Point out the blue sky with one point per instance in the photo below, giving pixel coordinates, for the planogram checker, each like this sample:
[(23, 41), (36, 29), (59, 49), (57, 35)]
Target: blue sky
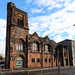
[(54, 18)]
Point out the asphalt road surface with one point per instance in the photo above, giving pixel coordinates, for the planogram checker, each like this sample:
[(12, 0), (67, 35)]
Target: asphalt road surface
[(63, 71)]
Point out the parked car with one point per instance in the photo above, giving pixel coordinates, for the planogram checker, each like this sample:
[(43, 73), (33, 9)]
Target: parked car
[(2, 64)]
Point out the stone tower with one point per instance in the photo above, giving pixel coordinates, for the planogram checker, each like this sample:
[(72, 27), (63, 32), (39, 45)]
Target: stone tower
[(17, 30)]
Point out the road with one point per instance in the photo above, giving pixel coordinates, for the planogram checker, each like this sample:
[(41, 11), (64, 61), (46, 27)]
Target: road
[(42, 71)]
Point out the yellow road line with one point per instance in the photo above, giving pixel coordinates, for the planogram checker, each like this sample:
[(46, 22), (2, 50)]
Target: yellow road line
[(35, 69)]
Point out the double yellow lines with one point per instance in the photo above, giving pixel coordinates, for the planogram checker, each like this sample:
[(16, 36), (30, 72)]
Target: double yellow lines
[(39, 69)]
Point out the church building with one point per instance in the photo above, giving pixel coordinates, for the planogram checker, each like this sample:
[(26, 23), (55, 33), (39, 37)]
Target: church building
[(24, 50)]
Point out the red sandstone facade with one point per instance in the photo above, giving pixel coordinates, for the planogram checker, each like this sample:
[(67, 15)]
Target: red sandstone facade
[(16, 33), (24, 49)]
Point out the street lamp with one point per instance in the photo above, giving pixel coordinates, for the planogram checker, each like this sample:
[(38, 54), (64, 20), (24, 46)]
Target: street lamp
[(74, 25), (58, 60)]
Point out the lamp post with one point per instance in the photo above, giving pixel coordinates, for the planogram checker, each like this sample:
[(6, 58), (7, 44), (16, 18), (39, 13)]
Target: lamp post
[(58, 60), (74, 25)]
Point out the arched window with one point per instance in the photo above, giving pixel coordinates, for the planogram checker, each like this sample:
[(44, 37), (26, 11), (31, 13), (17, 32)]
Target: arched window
[(46, 48), (34, 46), (19, 45)]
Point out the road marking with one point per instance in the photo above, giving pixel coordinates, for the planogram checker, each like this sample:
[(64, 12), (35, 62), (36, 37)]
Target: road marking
[(36, 69)]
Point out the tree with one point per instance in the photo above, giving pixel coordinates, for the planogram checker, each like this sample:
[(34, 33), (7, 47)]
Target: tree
[(1, 58)]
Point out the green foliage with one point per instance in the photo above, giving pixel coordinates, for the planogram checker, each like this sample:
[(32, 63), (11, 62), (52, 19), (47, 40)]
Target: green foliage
[(1, 58)]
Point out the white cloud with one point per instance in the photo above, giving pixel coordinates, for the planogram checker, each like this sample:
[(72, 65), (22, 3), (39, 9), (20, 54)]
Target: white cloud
[(2, 35), (55, 6), (44, 2), (56, 24), (2, 29), (58, 38), (2, 47), (37, 10), (52, 3)]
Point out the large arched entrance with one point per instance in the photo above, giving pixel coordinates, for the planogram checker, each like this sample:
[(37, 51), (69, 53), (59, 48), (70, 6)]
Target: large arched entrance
[(19, 62)]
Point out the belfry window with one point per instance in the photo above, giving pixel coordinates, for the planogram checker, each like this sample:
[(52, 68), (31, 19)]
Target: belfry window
[(20, 22)]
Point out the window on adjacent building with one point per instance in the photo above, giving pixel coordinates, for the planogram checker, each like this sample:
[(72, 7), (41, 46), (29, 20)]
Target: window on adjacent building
[(33, 59), (73, 43), (73, 48), (46, 48), (46, 60), (34, 46), (38, 60), (73, 55)]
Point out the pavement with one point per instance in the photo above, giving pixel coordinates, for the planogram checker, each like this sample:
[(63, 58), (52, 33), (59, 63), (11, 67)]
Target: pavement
[(66, 71)]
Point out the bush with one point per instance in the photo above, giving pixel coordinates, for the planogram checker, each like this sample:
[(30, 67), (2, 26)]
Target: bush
[(1, 58)]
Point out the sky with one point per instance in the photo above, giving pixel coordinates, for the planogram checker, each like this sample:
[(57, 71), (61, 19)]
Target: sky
[(54, 18)]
